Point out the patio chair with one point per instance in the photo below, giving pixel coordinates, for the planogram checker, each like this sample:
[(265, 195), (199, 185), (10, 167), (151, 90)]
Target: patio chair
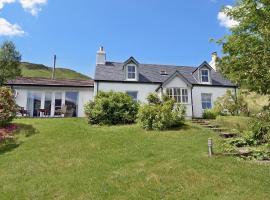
[(67, 111)]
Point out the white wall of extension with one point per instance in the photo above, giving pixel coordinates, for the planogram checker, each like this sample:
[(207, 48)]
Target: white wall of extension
[(84, 95)]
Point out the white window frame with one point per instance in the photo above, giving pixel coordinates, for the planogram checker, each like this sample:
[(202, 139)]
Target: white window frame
[(179, 97), (131, 96), (135, 73), (211, 100), (208, 75)]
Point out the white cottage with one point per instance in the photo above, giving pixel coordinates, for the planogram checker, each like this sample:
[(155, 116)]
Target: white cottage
[(195, 87)]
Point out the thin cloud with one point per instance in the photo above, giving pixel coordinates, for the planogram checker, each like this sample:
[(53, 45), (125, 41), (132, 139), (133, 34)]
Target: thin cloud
[(225, 20), (8, 29), (32, 6), (3, 2)]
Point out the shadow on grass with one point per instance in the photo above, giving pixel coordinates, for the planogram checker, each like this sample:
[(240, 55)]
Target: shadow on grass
[(10, 144), (26, 129), (183, 127)]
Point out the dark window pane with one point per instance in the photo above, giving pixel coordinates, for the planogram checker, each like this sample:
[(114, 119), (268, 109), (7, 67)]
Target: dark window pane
[(71, 103), (133, 95)]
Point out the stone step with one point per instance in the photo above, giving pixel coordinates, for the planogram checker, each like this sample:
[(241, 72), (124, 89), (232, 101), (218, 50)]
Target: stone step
[(210, 126), (227, 135), (218, 129)]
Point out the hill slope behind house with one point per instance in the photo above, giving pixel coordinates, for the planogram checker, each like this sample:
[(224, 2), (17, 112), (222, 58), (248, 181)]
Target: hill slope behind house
[(39, 70)]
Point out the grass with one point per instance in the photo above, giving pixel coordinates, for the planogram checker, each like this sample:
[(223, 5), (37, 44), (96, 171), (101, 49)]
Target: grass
[(37, 70), (68, 159), (234, 123), (256, 102)]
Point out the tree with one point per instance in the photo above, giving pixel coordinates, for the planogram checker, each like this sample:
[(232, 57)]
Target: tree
[(246, 50), (9, 62)]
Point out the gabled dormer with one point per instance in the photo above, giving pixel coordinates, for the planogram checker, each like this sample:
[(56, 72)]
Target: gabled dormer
[(131, 69), (203, 73)]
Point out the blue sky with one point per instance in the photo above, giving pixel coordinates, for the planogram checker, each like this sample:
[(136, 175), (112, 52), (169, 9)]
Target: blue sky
[(153, 31)]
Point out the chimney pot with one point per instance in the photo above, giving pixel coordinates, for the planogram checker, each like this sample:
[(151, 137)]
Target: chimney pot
[(101, 56), (213, 62)]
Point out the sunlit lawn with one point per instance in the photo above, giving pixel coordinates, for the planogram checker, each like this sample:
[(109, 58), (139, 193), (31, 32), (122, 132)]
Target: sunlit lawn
[(68, 159)]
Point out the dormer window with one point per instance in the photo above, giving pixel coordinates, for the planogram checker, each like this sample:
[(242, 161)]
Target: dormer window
[(205, 76), (131, 72)]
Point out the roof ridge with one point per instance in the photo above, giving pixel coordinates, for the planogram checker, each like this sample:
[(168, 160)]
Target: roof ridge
[(57, 79), (154, 64)]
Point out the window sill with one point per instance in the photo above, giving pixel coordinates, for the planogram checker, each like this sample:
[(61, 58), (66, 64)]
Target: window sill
[(206, 83), (131, 80)]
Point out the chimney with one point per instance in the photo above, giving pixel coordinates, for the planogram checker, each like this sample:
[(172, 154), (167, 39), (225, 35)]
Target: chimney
[(213, 62), (101, 56)]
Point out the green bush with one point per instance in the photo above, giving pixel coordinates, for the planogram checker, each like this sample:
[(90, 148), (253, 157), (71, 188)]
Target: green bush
[(260, 127), (110, 108), (8, 106), (160, 114), (210, 114), (231, 104)]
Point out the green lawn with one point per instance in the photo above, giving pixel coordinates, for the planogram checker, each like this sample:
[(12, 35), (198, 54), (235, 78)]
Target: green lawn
[(234, 123), (68, 159)]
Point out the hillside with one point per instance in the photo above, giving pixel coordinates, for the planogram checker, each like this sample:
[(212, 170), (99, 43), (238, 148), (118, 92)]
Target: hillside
[(39, 70)]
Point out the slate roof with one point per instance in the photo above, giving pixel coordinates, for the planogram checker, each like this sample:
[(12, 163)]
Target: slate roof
[(150, 73), (23, 81)]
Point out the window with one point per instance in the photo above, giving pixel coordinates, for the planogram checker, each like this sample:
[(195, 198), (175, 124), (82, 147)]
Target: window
[(34, 103), (184, 95), (57, 103), (131, 72), (48, 103), (71, 104), (206, 101), (180, 95), (205, 75), (133, 95)]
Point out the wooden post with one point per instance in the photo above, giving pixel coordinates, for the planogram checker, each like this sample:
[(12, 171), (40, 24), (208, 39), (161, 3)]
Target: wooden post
[(210, 147)]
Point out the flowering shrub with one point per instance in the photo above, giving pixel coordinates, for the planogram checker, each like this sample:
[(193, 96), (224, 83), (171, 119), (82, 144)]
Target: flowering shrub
[(160, 114), (111, 108), (8, 106)]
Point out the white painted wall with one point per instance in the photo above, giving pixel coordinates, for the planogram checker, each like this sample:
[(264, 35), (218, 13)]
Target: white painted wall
[(198, 90), (85, 95), (142, 88)]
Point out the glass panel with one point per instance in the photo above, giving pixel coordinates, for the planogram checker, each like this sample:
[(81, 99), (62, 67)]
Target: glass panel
[(131, 68), (133, 95), (48, 103), (71, 104), (169, 92), (131, 72), (184, 96), (33, 103), (206, 101), (58, 103), (205, 75), (177, 95)]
